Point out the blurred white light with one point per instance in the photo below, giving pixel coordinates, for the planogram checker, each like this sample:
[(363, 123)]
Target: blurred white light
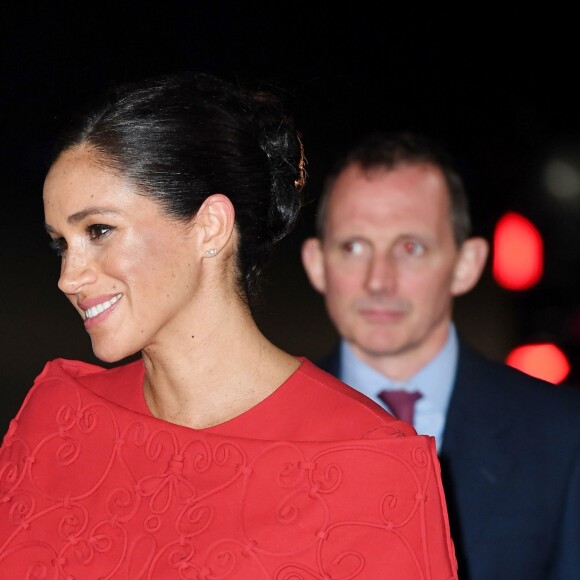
[(562, 180)]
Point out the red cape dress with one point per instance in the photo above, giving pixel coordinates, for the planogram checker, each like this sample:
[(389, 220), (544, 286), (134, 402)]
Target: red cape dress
[(316, 482)]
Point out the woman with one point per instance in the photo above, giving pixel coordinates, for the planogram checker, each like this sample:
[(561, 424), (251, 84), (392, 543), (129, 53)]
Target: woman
[(216, 455)]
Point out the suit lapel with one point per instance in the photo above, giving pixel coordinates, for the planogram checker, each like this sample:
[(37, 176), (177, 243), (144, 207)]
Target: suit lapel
[(331, 363), (474, 461)]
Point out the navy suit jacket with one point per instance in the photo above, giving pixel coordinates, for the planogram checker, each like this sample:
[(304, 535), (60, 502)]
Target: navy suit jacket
[(510, 465)]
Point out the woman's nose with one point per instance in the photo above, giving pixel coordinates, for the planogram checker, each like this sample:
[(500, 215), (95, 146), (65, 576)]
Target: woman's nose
[(75, 273)]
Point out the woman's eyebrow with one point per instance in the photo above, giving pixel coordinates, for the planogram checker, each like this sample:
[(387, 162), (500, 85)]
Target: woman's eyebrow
[(81, 215)]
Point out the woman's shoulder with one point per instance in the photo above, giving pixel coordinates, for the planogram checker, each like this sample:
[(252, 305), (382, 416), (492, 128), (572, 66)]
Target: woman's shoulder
[(67, 368), (325, 385), (120, 384), (89, 374), (343, 409), (64, 385)]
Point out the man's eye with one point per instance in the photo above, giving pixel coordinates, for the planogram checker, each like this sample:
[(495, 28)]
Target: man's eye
[(98, 231), (58, 246), (414, 248), (354, 248)]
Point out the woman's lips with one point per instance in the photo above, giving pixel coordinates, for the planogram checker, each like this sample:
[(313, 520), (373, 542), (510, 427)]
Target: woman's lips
[(96, 309)]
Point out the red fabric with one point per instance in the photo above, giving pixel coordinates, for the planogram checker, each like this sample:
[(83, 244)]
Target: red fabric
[(315, 482)]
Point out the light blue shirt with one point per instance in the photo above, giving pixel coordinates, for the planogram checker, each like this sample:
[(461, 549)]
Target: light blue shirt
[(434, 381)]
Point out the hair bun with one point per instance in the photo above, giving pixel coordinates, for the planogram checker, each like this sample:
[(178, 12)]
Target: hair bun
[(282, 144)]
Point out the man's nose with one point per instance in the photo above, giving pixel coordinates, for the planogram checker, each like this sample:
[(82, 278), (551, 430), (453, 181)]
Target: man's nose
[(382, 274)]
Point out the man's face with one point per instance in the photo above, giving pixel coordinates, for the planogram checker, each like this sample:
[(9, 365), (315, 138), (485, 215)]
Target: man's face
[(387, 261)]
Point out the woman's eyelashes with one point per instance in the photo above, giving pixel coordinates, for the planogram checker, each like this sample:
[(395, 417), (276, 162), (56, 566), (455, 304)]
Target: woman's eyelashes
[(95, 233), (98, 231)]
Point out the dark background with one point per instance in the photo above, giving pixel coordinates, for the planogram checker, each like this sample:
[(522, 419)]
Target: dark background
[(499, 87)]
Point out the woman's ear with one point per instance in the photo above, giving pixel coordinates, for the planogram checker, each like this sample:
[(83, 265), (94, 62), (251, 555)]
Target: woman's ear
[(215, 221), (313, 262), (469, 266)]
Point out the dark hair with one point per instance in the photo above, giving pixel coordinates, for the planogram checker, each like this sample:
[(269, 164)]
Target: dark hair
[(182, 137), (393, 150)]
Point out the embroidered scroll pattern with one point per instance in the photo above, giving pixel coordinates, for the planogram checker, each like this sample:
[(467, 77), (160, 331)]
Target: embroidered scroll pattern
[(89, 490)]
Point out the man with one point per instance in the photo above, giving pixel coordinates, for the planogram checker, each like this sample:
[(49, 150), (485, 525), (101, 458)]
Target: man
[(393, 249)]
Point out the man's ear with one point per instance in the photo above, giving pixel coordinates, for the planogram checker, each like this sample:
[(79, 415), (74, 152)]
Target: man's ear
[(215, 221), (313, 262), (469, 266)]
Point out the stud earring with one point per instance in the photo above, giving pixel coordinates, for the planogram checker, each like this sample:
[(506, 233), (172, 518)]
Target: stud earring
[(211, 252)]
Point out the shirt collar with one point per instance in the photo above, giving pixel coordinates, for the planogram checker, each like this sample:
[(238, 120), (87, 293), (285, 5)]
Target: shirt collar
[(434, 380)]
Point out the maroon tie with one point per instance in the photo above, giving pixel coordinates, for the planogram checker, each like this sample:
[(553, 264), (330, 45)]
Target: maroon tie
[(401, 403)]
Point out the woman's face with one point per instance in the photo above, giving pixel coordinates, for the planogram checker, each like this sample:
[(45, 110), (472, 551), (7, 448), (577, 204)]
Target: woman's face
[(127, 268)]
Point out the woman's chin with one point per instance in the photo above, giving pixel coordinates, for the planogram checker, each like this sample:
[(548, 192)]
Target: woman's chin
[(110, 355)]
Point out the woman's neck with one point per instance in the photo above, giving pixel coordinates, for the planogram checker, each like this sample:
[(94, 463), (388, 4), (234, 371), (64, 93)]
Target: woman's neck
[(223, 369)]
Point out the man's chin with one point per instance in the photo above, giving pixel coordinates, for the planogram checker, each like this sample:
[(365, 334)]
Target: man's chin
[(377, 349)]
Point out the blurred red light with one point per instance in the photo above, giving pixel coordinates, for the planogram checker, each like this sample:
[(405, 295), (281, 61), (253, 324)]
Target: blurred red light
[(544, 361), (517, 252)]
